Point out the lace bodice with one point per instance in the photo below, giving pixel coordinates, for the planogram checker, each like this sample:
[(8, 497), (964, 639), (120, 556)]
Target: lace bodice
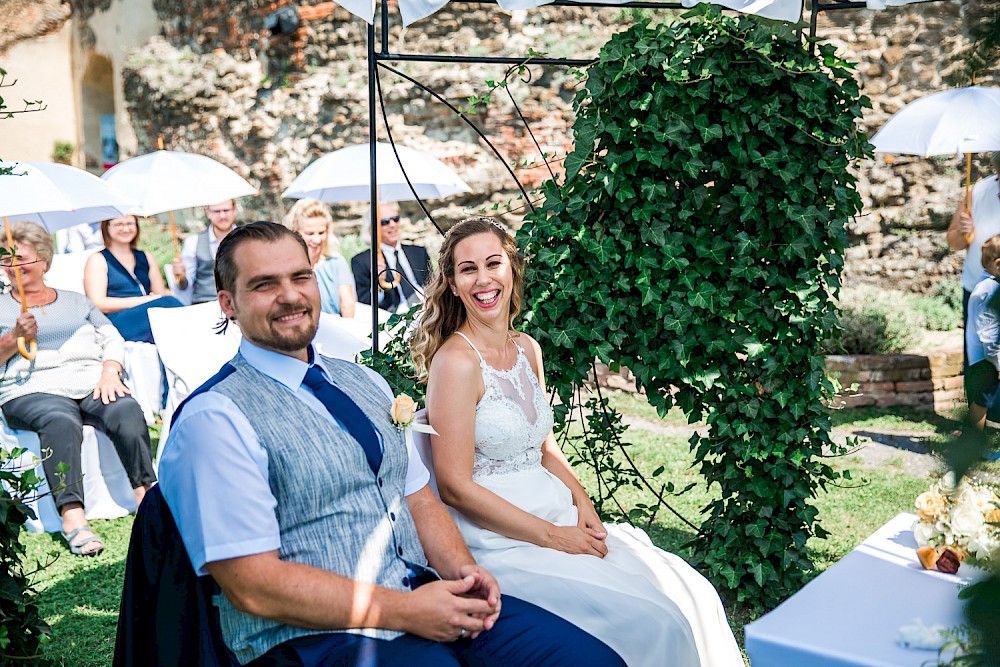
[(512, 419)]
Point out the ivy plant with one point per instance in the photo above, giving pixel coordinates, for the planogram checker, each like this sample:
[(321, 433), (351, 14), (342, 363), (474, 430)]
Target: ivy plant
[(23, 631), (697, 238)]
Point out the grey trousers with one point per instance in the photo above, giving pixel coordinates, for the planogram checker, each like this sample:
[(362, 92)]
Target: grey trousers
[(59, 423)]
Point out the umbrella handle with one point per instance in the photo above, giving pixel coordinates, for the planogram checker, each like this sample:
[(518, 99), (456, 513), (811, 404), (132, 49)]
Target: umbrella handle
[(968, 236), (27, 348)]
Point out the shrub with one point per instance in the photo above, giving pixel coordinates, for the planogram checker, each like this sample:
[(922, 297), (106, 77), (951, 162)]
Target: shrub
[(874, 321), (949, 291), (939, 313)]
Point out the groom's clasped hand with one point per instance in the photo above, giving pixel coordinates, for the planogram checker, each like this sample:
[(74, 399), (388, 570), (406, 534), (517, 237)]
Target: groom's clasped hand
[(447, 610)]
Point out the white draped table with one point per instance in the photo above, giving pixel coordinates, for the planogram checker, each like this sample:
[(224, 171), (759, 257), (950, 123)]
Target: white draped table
[(851, 614)]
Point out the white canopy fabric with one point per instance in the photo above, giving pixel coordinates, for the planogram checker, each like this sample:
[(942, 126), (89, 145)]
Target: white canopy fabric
[(783, 10)]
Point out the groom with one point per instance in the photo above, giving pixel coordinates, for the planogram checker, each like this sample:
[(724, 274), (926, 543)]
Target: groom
[(293, 489)]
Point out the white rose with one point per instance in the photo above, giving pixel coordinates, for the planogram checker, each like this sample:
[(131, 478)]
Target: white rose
[(986, 546), (924, 534), (966, 521), (982, 499)]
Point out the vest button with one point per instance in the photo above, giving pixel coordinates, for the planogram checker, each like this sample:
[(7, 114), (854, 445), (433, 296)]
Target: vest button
[(400, 550), (406, 581), (392, 516), (380, 481)]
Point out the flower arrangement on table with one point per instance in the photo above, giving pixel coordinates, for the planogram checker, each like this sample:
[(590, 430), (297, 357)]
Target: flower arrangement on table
[(955, 523)]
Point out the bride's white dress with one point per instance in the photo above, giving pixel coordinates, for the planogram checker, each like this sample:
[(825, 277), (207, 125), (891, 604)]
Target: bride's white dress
[(650, 606)]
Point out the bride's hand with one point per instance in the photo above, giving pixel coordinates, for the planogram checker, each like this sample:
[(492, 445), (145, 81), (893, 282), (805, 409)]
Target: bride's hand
[(587, 518), (578, 540)]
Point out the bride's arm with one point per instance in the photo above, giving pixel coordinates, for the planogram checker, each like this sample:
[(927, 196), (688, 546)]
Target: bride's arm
[(555, 461), (453, 390)]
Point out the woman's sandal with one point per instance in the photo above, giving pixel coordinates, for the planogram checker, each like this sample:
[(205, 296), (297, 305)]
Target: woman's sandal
[(76, 547)]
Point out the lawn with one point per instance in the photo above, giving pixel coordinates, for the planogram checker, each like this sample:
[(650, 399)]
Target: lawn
[(80, 597)]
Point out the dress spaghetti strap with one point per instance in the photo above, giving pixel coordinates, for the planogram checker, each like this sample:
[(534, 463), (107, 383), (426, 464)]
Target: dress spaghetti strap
[(472, 346)]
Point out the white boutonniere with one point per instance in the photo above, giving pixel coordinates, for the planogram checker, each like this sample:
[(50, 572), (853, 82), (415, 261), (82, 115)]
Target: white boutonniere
[(402, 412)]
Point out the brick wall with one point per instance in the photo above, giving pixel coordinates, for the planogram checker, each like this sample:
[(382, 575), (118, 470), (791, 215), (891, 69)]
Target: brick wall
[(932, 381)]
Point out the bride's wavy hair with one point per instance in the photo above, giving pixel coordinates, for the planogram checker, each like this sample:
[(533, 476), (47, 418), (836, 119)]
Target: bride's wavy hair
[(444, 312)]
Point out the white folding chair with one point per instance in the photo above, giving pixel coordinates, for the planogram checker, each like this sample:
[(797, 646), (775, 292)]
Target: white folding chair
[(337, 338), (190, 349), (107, 492), (66, 271), (422, 443)]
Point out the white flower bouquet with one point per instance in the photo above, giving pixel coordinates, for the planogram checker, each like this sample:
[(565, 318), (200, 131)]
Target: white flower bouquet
[(955, 523)]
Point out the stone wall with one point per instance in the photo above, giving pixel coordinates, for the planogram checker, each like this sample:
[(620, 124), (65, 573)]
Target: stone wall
[(269, 107), (904, 54), (213, 82)]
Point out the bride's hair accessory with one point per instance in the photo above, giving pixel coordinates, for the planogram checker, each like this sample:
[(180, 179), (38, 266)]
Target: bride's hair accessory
[(483, 218)]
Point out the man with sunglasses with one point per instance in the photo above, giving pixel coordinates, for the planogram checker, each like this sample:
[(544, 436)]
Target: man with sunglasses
[(194, 268), (405, 271)]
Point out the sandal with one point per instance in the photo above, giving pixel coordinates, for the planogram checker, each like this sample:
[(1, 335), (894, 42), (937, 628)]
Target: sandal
[(76, 547)]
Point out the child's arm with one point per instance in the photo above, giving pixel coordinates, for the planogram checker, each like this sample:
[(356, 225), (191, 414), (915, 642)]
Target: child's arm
[(988, 330)]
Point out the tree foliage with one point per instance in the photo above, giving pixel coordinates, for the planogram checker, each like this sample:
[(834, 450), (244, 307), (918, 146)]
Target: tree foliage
[(697, 239)]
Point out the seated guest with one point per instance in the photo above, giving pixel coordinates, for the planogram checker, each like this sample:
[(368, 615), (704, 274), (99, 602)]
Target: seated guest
[(403, 269), (312, 220), (124, 282), (74, 379), (352, 562), (195, 265)]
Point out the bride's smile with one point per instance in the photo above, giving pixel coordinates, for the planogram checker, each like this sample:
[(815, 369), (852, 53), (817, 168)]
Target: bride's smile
[(483, 278)]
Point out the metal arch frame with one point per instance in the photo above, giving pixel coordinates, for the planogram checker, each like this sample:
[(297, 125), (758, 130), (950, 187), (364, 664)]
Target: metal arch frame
[(381, 56)]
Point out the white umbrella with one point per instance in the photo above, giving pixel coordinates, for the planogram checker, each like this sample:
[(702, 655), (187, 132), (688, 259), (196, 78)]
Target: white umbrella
[(949, 122), (345, 175), (164, 181), (168, 180), (55, 196)]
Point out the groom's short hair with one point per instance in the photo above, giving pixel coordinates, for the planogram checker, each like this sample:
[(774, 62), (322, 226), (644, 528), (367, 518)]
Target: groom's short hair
[(262, 230)]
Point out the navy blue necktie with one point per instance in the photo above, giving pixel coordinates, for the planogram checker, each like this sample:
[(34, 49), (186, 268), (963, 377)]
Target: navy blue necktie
[(344, 409)]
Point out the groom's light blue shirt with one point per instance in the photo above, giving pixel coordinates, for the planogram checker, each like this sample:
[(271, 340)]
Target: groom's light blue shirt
[(214, 472)]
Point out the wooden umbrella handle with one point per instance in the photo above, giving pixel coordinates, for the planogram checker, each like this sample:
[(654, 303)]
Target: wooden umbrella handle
[(969, 235), (27, 348)]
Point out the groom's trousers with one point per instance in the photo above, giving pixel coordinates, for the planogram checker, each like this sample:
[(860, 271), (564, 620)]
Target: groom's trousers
[(524, 635)]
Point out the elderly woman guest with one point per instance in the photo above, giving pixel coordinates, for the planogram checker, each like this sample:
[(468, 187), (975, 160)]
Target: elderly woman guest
[(522, 511), (124, 282), (312, 220), (74, 379)]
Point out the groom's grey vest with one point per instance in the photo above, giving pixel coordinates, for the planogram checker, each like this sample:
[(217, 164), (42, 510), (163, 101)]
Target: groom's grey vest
[(334, 513), (204, 270)]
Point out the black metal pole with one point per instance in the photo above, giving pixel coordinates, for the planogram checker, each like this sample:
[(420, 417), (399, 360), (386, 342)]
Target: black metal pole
[(373, 190)]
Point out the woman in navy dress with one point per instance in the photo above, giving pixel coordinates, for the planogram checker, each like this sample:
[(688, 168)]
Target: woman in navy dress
[(124, 282)]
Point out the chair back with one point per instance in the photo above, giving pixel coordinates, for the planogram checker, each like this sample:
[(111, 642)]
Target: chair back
[(337, 338), (422, 443), (66, 271)]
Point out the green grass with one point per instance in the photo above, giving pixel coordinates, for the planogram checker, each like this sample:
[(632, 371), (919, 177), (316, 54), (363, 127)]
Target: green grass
[(80, 596), (899, 418)]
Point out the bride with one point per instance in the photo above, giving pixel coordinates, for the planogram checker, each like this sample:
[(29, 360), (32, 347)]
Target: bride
[(524, 514)]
